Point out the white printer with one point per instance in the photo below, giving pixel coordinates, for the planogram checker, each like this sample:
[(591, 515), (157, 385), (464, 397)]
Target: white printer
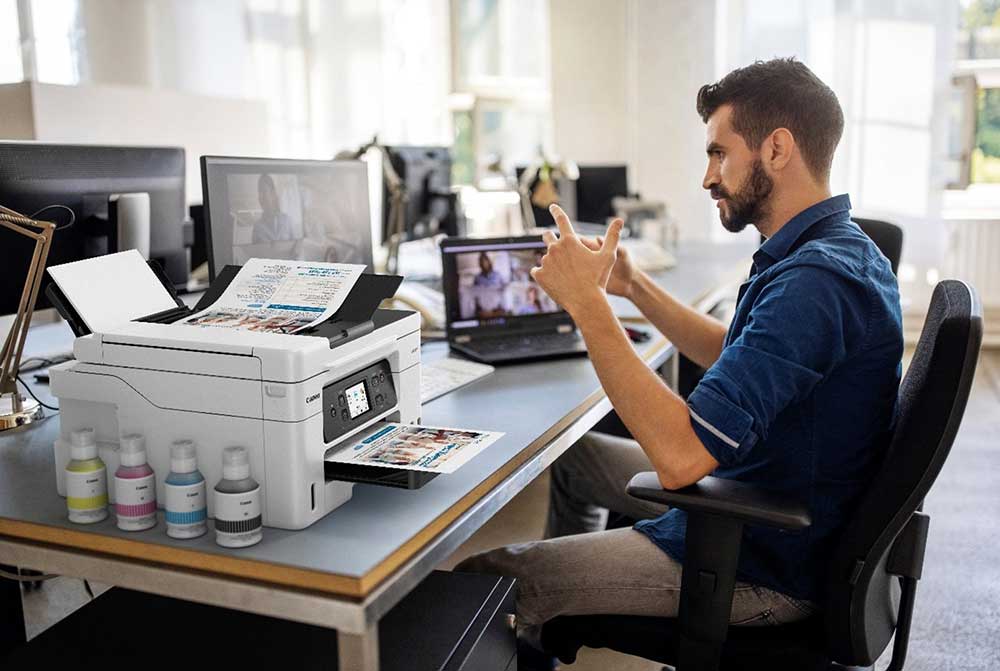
[(282, 397)]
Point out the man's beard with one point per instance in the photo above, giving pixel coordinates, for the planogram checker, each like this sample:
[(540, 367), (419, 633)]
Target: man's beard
[(749, 204)]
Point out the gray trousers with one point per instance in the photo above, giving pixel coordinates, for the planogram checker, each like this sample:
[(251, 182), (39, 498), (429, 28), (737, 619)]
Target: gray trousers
[(582, 569)]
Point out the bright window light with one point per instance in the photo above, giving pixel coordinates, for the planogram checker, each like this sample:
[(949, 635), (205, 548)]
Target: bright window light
[(10, 43)]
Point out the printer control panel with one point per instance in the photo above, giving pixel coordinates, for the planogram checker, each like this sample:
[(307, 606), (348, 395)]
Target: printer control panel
[(351, 401)]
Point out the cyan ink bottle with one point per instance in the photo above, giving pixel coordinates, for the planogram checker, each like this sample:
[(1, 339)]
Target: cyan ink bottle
[(86, 480), (238, 522), (135, 486), (186, 512)]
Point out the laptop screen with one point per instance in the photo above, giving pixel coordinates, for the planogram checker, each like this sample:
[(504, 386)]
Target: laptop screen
[(488, 283)]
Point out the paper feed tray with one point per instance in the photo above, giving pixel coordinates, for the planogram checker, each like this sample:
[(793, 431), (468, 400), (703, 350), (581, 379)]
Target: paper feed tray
[(354, 318)]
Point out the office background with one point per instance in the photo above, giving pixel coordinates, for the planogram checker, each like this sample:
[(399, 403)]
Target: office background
[(504, 82)]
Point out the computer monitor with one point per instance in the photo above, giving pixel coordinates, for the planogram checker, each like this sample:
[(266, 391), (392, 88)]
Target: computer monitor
[(285, 209), (596, 187), (431, 207), (35, 175)]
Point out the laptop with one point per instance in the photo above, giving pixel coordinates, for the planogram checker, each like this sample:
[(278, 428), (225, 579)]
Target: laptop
[(494, 311)]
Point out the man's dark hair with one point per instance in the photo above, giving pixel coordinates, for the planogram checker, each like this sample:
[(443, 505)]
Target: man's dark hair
[(780, 93)]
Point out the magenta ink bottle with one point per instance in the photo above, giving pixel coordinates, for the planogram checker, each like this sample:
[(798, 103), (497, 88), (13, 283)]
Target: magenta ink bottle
[(135, 486)]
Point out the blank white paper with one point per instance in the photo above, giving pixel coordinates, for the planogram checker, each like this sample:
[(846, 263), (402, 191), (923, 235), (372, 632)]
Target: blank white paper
[(108, 291)]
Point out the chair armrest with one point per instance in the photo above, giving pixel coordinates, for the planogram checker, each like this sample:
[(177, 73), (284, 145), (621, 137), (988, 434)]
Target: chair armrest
[(726, 498)]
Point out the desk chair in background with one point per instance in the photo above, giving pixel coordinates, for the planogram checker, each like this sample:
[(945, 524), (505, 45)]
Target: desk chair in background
[(886, 236), (875, 565)]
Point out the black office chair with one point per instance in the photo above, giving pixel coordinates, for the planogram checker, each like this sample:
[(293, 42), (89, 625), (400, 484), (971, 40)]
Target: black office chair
[(878, 559), (887, 237)]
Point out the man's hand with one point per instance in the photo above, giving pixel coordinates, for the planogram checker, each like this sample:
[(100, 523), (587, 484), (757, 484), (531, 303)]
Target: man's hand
[(623, 274), (572, 274)]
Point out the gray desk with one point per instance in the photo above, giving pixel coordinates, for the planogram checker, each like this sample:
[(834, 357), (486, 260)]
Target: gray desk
[(347, 570)]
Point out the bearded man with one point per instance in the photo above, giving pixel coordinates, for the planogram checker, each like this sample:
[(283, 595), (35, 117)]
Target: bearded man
[(799, 396)]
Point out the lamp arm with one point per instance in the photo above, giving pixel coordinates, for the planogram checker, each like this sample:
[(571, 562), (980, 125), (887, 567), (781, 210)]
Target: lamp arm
[(13, 347)]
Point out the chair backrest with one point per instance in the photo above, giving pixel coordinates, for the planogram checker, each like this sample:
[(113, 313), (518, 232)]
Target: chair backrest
[(863, 597), (887, 237)]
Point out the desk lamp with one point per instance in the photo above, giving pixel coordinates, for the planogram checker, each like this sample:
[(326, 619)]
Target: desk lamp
[(16, 410), (546, 191)]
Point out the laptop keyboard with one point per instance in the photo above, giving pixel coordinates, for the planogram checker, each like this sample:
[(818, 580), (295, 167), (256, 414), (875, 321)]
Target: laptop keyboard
[(537, 343)]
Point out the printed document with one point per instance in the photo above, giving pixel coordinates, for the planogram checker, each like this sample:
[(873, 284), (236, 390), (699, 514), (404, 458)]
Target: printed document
[(416, 448), (275, 296)]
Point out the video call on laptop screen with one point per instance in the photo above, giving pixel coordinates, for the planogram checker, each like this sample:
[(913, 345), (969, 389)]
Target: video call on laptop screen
[(490, 284), (280, 209)]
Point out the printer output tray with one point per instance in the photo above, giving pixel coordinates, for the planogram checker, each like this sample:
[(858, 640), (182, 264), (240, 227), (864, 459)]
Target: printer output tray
[(377, 475)]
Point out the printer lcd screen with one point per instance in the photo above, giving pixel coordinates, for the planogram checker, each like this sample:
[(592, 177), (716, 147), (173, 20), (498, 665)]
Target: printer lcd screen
[(357, 400)]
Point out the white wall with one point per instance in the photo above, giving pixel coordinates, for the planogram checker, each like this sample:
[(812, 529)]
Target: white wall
[(16, 120), (624, 80), (673, 56), (197, 47), (123, 115), (589, 85)]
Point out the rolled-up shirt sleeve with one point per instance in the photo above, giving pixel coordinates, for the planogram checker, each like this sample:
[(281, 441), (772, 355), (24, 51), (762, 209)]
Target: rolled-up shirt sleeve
[(801, 326)]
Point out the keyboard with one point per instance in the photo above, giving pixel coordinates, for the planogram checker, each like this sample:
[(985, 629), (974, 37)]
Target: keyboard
[(648, 256), (513, 348), (534, 343), (445, 375)]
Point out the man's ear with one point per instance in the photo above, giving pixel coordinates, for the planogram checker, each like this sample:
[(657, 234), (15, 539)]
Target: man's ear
[(778, 148)]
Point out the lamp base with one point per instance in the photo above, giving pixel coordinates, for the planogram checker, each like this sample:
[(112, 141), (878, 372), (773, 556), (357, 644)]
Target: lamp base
[(30, 412)]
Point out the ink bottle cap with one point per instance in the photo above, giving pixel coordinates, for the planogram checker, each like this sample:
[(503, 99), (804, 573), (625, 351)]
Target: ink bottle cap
[(133, 450), (182, 457), (235, 464), (83, 445)]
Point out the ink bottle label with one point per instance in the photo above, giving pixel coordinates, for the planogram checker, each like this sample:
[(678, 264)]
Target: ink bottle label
[(238, 519), (87, 495), (135, 502), (186, 513)]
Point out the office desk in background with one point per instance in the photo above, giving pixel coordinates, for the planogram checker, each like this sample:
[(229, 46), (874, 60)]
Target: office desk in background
[(346, 571)]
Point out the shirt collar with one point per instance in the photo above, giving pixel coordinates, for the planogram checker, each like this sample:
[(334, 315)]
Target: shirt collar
[(776, 247)]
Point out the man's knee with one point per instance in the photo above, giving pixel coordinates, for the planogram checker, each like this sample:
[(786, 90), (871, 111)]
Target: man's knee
[(477, 563), (573, 464)]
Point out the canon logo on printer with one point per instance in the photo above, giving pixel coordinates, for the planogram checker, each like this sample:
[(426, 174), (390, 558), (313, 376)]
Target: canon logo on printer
[(310, 399)]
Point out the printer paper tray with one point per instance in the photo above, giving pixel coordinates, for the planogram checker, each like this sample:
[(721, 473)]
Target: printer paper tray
[(377, 475)]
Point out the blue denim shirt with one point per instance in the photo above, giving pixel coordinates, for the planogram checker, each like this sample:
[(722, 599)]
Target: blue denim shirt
[(803, 398)]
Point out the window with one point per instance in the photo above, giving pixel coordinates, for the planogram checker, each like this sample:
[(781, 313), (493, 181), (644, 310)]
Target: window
[(42, 40), (502, 114), (10, 43), (278, 42), (56, 42), (974, 134)]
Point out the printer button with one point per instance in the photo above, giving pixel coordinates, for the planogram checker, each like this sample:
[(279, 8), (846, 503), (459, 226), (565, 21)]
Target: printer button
[(344, 416), (379, 400), (374, 380), (341, 401), (381, 377)]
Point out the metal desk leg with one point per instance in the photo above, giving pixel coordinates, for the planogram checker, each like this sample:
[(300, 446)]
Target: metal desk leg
[(358, 652), (12, 634)]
